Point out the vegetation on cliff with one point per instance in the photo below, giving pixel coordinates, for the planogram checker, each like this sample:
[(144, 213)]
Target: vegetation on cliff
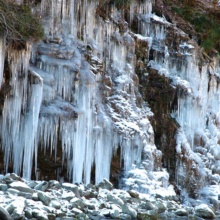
[(118, 3), (199, 19), (18, 23)]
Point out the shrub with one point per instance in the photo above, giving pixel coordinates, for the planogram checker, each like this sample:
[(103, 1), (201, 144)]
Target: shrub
[(18, 23), (178, 11), (119, 3)]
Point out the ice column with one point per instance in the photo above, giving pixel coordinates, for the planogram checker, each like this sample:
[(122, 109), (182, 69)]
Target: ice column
[(30, 126)]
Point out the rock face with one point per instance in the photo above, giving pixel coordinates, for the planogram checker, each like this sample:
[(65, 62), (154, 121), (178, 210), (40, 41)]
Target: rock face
[(107, 83)]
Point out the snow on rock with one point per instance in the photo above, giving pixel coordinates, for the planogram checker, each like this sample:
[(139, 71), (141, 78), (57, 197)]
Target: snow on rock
[(21, 187), (204, 211), (81, 93), (4, 214), (106, 204)]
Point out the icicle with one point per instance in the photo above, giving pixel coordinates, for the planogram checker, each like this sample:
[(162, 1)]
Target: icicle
[(30, 127), (2, 58)]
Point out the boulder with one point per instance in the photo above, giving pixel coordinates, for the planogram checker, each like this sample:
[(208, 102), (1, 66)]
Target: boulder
[(77, 203), (13, 191), (76, 211), (28, 213), (143, 215), (125, 196), (16, 208), (68, 196), (124, 216), (51, 216), (3, 187), (114, 213), (20, 186), (16, 177), (150, 206), (39, 214), (43, 197), (25, 195), (35, 196), (133, 193), (42, 186), (55, 204), (71, 187), (54, 184), (4, 214), (115, 199), (181, 212), (105, 212), (204, 211), (105, 184), (161, 207), (130, 211)]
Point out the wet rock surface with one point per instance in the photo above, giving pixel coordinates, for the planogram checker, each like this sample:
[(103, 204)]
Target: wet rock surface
[(61, 202)]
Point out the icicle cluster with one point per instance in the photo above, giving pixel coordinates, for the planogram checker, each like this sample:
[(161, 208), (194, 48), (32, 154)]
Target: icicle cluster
[(20, 114)]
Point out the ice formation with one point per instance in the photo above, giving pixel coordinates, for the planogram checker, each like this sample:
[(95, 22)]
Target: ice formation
[(81, 89), (2, 58)]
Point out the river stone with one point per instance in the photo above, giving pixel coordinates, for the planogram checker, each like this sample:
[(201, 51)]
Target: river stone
[(32, 184), (161, 207), (28, 213), (105, 184), (152, 215), (133, 193), (71, 187), (125, 196), (48, 209), (51, 216), (44, 198), (42, 186), (204, 211), (68, 196), (54, 184), (60, 213), (82, 216), (115, 199), (12, 191), (16, 177), (124, 216), (10, 207), (4, 215), (93, 217), (90, 205), (130, 211), (21, 187), (18, 208), (181, 212), (39, 214), (172, 206), (114, 213), (77, 203), (76, 211), (105, 212), (3, 187), (35, 196), (25, 195), (150, 206), (55, 204)]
